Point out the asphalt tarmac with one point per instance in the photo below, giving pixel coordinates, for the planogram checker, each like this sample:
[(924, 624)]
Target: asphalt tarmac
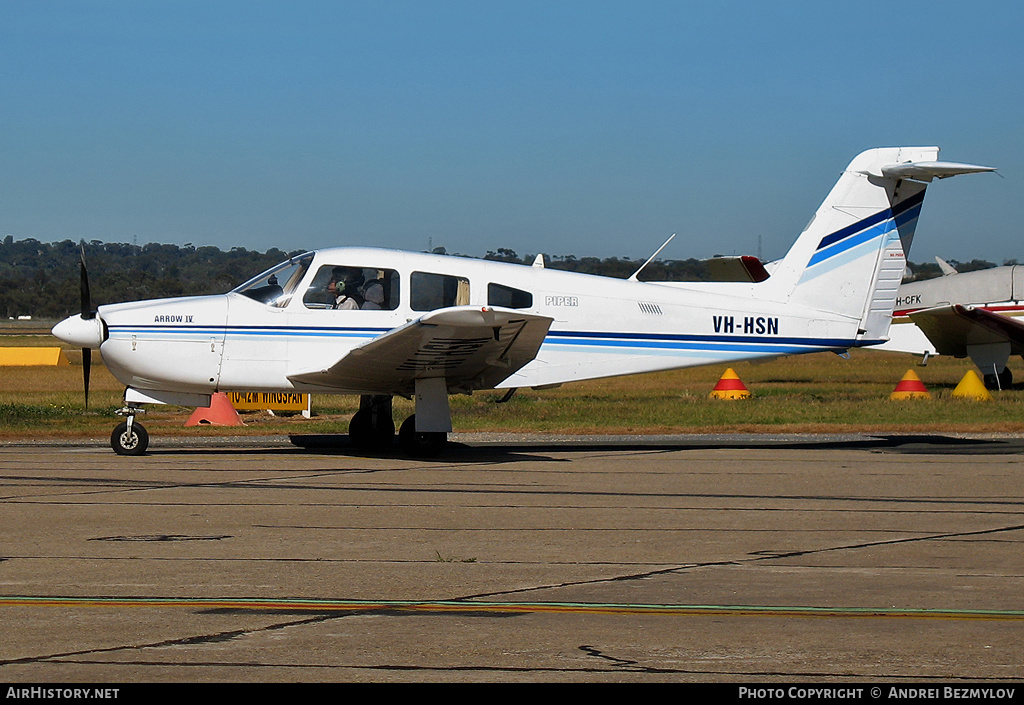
[(743, 559)]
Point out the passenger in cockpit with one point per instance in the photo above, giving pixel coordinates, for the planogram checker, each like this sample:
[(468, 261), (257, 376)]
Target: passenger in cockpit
[(373, 295)]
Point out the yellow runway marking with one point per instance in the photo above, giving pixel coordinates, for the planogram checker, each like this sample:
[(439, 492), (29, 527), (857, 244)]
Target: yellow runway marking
[(506, 607)]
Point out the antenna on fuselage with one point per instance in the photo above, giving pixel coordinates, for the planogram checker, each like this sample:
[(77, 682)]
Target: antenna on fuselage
[(651, 258)]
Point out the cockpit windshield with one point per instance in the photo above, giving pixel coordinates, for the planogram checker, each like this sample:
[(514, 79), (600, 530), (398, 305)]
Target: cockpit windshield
[(275, 286)]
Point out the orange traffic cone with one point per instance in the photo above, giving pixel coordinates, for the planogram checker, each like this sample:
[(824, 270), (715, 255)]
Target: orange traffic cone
[(971, 387), (729, 387), (910, 387), (220, 412)]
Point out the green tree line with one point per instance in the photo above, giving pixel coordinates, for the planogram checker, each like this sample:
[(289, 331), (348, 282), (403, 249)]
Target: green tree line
[(42, 279)]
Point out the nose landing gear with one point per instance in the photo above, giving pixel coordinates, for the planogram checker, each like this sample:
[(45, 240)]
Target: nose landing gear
[(129, 437)]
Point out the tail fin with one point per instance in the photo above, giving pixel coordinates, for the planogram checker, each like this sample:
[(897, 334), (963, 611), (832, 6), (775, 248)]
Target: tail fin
[(850, 258)]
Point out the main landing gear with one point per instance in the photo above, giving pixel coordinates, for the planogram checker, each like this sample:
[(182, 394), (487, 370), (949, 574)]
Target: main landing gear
[(1001, 380), (372, 428), (129, 437), (421, 444)]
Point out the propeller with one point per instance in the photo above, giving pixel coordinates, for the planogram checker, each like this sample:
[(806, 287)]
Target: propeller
[(86, 329), (87, 314)]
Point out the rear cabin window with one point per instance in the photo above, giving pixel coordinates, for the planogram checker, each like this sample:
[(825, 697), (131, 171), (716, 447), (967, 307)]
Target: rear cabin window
[(342, 287), (428, 292), (507, 297)]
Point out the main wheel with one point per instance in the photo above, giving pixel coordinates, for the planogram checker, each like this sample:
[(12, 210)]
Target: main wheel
[(1001, 381), (365, 434), (134, 443), (427, 444)]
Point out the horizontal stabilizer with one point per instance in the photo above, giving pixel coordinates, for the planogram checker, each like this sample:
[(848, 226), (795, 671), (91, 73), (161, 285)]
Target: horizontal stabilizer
[(926, 171), (736, 269)]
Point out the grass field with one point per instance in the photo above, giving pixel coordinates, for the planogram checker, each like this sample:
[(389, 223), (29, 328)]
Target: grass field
[(811, 393)]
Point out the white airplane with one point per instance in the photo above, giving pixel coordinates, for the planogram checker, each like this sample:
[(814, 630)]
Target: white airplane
[(380, 323), (969, 314)]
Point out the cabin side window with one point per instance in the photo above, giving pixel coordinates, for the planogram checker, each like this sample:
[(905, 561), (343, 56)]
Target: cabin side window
[(342, 287), (428, 292), (508, 297)]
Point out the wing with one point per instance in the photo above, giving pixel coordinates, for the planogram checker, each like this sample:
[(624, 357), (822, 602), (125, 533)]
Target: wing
[(952, 328), (471, 347)]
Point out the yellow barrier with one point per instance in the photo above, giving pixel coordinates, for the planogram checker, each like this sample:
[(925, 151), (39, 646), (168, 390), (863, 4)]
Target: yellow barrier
[(10, 357), (275, 401)]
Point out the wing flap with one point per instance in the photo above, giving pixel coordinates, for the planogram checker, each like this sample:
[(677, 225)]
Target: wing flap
[(953, 328), (471, 347)]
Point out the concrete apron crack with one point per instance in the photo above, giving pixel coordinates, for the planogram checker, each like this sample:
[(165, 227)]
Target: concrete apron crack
[(184, 641)]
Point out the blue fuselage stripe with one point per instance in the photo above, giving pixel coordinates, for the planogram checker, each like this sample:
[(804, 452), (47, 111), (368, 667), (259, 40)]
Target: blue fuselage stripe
[(558, 339)]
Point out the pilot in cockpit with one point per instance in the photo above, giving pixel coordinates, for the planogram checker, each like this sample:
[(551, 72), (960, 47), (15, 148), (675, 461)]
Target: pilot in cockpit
[(344, 288)]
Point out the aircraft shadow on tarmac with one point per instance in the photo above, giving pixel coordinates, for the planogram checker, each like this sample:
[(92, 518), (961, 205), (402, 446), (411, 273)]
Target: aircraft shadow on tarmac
[(339, 445), (543, 450), (936, 444)]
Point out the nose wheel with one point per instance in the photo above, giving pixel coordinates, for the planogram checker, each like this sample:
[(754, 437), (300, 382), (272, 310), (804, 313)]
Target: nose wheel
[(129, 437)]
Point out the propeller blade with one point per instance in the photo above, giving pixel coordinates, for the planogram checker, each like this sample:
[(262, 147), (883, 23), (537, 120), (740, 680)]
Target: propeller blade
[(83, 281), (87, 314), (86, 364)]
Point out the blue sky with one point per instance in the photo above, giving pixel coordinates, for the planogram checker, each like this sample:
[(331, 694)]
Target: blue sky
[(591, 127)]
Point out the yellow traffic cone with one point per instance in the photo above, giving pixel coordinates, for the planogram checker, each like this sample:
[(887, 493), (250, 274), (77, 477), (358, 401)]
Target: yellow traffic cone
[(730, 387), (971, 387), (910, 387)]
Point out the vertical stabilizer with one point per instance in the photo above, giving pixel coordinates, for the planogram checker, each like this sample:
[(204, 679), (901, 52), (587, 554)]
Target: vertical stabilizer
[(850, 258)]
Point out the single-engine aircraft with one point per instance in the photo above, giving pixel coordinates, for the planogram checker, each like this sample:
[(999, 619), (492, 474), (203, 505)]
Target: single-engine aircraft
[(966, 314), (379, 323)]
